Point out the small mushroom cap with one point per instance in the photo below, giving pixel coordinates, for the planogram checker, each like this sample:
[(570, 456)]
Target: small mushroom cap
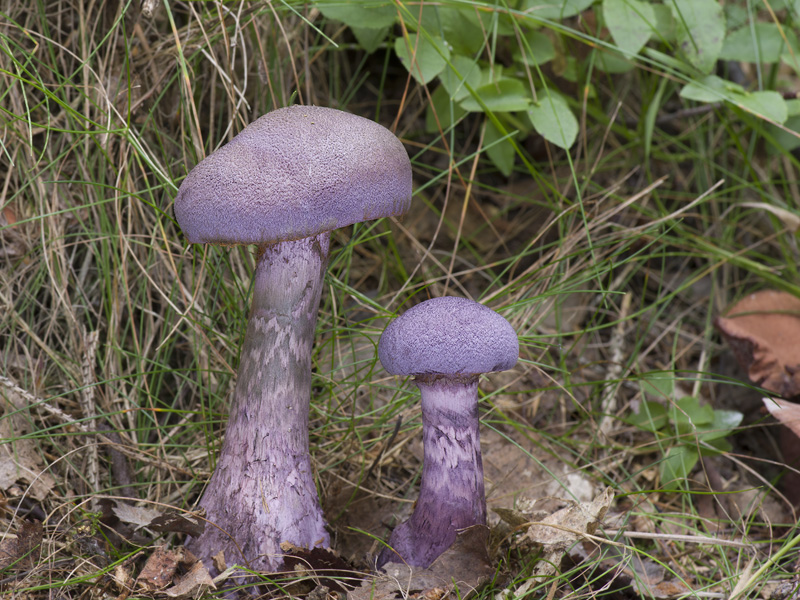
[(448, 336), (293, 173)]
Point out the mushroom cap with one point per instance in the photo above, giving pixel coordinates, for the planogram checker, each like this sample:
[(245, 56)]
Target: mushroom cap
[(293, 173), (448, 336)]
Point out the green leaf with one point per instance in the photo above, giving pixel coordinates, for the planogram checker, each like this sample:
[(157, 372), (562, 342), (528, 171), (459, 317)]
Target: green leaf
[(541, 49), (370, 39), (759, 42), (554, 9), (710, 89), (506, 95), (658, 384), (444, 109), (500, 150), (701, 31), (630, 22), (364, 14), (553, 119), (468, 71), (769, 105), (423, 59), (722, 424), (665, 23), (652, 416), (457, 24), (688, 414), (676, 466), (788, 140)]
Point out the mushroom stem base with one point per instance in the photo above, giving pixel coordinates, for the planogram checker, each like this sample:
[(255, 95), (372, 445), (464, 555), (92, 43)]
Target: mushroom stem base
[(262, 492), (452, 493)]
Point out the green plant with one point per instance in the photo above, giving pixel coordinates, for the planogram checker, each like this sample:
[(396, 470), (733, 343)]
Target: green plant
[(684, 428), (518, 61)]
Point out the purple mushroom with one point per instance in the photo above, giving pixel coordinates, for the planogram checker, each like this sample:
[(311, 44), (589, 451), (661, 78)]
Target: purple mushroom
[(283, 183), (445, 343)]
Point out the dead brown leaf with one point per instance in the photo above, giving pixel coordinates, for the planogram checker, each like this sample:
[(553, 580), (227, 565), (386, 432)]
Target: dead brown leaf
[(19, 457), (20, 552), (194, 584), (560, 530), (457, 573), (787, 413), (762, 329), (160, 568)]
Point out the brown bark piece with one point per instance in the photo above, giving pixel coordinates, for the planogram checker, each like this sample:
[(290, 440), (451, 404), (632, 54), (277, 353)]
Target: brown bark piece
[(763, 330)]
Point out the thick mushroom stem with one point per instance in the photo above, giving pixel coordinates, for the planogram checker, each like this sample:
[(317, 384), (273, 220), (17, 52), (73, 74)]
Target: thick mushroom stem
[(262, 491), (451, 495)]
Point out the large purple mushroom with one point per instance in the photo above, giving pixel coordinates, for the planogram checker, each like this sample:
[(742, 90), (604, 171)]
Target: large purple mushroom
[(445, 343), (283, 183)]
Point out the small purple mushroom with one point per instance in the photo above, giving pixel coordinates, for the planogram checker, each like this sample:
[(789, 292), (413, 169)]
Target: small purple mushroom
[(283, 183), (445, 343)]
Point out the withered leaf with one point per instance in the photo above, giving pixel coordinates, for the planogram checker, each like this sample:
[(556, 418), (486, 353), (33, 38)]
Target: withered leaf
[(20, 552), (762, 329), (193, 584), (141, 516), (787, 413), (173, 522), (558, 531), (328, 568), (456, 573), (160, 568)]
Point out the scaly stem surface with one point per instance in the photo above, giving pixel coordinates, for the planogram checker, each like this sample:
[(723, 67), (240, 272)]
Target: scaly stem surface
[(451, 495), (262, 492)]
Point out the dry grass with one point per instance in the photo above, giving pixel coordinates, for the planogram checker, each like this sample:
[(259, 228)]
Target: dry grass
[(119, 341)]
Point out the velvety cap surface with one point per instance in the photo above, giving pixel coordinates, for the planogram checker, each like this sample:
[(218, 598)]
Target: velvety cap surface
[(293, 173), (448, 336)]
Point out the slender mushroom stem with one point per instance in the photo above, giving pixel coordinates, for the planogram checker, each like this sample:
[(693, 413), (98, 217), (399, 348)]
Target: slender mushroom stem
[(262, 492), (451, 494)]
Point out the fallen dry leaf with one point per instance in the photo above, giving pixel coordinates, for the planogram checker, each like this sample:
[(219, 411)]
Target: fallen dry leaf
[(141, 516), (560, 530), (193, 584), (456, 573), (787, 413), (159, 570), (20, 552), (19, 457), (762, 329)]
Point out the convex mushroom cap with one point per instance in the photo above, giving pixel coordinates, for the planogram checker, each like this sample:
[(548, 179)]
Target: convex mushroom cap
[(448, 336), (294, 173)]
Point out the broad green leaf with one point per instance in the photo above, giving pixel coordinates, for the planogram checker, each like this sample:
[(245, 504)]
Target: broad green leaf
[(652, 416), (658, 384), (687, 414), (630, 22), (793, 106), (541, 49), (423, 59), (553, 119), (676, 466), (612, 62), (710, 89), (554, 9), (701, 31), (769, 105), (500, 150), (370, 39), (365, 14), (443, 109), (788, 140), (759, 42), (468, 71), (506, 95), (722, 424), (665, 23), (458, 25)]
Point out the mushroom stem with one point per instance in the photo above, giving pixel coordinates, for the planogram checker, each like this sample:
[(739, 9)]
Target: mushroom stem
[(451, 494), (262, 491)]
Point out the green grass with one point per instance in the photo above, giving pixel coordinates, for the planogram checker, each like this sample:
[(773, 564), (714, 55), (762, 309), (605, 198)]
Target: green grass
[(610, 261)]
